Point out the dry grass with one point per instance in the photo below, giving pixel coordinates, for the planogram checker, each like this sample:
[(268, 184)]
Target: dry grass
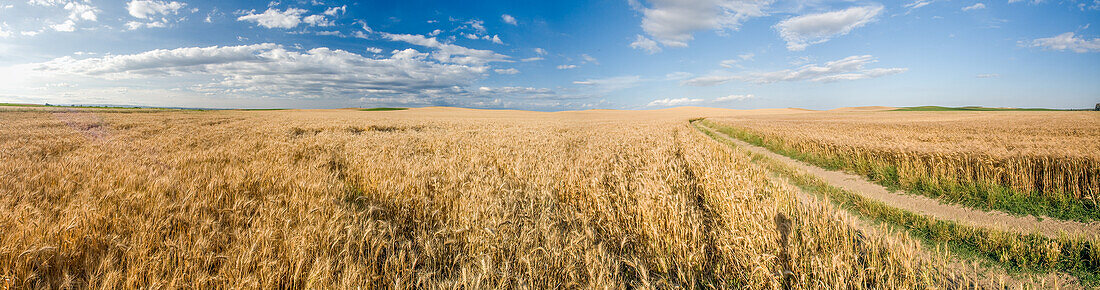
[(1044, 163), (419, 198)]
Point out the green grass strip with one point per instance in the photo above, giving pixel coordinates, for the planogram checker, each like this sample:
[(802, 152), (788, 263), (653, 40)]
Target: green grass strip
[(983, 196), (1079, 257)]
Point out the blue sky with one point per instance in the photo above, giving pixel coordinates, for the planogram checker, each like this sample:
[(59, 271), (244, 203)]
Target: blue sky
[(551, 55)]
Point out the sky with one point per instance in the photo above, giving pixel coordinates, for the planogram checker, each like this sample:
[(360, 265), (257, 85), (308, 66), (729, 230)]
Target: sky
[(551, 55)]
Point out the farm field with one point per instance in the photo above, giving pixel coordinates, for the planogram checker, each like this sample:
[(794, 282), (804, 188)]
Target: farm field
[(445, 197), (1028, 163)]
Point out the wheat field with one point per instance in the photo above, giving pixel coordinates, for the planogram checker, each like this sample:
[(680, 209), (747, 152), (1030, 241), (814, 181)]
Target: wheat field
[(424, 198), (1041, 163)]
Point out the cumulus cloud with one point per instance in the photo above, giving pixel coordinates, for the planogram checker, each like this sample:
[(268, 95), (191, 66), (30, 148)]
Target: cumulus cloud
[(449, 53), (1067, 41), (81, 11), (78, 11), (67, 26), (317, 20), (508, 19), (274, 18), (669, 102), (494, 39), (805, 30), (673, 22), (567, 66), (333, 11), (732, 98), (846, 69), (273, 70), (643, 43), (976, 6), (146, 9)]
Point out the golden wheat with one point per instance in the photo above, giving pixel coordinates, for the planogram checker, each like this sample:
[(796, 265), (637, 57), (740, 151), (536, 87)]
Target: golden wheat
[(1046, 157), (426, 198)]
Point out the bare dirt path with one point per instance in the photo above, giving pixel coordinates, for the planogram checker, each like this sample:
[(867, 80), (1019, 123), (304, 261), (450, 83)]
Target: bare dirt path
[(1049, 227)]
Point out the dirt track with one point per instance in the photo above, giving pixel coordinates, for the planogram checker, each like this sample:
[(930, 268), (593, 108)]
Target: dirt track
[(927, 206)]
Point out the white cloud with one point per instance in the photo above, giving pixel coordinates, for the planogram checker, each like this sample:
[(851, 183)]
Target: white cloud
[(589, 59), (210, 16), (333, 11), (567, 66), (731, 63), (805, 30), (732, 98), (435, 32), (540, 51), (678, 75), (374, 50), (146, 9), (846, 69), (79, 11), (669, 102), (1068, 41), (134, 25), (974, 7), (508, 19), (672, 22), (917, 4), (494, 39), (707, 81), (514, 90), (529, 59), (606, 85), (643, 43), (476, 25), (449, 53), (507, 71), (272, 70), (273, 18), (317, 20), (3, 32), (67, 26)]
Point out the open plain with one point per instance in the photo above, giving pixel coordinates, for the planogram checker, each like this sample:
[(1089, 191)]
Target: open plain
[(435, 197)]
